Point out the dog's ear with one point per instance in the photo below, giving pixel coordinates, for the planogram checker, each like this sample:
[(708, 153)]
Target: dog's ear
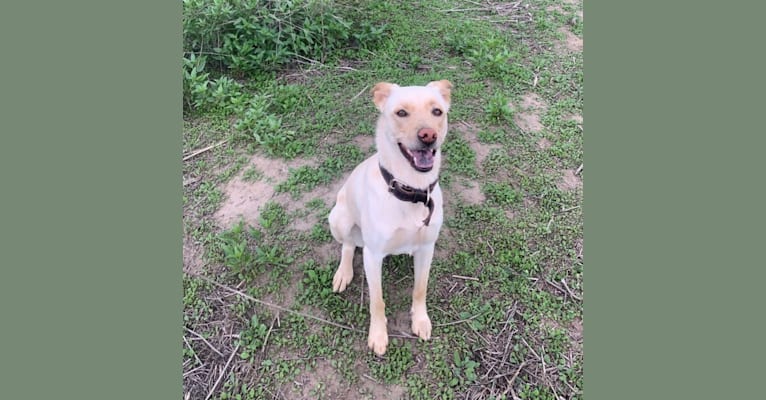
[(380, 93), (445, 88)]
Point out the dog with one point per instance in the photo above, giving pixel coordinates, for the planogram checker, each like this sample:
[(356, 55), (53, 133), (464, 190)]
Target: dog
[(392, 202)]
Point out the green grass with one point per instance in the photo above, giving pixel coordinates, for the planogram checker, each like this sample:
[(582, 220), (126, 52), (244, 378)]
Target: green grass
[(505, 292)]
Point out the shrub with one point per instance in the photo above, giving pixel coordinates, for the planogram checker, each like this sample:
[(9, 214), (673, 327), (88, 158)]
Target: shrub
[(258, 36)]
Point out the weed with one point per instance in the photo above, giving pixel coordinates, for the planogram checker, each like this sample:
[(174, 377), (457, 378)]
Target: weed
[(501, 193), (252, 338), (397, 361), (459, 156), (498, 109)]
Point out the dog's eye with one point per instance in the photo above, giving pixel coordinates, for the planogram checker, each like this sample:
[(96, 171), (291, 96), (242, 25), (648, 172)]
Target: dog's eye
[(402, 113), (436, 112)]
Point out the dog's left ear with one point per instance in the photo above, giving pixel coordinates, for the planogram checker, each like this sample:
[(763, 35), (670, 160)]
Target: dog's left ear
[(445, 88)]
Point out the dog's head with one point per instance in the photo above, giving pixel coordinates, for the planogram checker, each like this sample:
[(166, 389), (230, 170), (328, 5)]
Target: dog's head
[(414, 119)]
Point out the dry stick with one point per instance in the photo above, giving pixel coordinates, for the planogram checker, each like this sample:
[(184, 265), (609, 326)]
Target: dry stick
[(200, 151), (579, 169), (223, 371), (287, 310), (280, 308), (457, 322), (193, 352), (570, 290), (187, 373), (359, 94), (205, 341), (266, 339), (470, 278), (513, 378)]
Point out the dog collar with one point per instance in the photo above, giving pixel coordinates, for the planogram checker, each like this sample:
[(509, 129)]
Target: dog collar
[(407, 193)]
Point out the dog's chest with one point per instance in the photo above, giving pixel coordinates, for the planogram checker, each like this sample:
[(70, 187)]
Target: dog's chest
[(411, 234)]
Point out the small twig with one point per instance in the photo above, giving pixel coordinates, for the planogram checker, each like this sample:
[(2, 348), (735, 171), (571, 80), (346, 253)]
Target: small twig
[(187, 373), (192, 349), (200, 151), (569, 208), (359, 94), (370, 378), (570, 290), (457, 322), (579, 169), (470, 278), (251, 298), (491, 249), (204, 341), (463, 9), (223, 371), (266, 339), (510, 381)]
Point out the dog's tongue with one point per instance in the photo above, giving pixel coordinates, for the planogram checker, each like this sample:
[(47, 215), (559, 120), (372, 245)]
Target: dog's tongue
[(424, 159)]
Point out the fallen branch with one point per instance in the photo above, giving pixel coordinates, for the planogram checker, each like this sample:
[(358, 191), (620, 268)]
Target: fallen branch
[(470, 278), (204, 341), (280, 308), (287, 310), (200, 151), (223, 371)]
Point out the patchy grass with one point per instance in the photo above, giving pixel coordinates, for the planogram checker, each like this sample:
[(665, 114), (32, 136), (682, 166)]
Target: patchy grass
[(505, 292)]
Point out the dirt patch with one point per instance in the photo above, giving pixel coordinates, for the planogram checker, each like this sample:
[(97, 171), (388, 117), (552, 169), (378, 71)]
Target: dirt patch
[(544, 144), (531, 101), (365, 142), (326, 380), (482, 150), (570, 181), (572, 42), (527, 115), (468, 191), (322, 379), (193, 263), (326, 193), (244, 199), (574, 117), (400, 322)]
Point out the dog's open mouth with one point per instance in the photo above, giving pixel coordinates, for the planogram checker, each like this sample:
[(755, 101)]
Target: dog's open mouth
[(422, 160)]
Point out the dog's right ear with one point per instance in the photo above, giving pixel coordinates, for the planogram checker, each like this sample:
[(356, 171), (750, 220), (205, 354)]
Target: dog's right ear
[(380, 93)]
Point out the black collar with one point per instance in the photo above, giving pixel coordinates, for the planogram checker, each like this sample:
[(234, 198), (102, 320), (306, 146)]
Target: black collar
[(407, 193)]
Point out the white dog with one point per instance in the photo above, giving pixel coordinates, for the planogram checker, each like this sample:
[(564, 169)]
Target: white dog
[(392, 203)]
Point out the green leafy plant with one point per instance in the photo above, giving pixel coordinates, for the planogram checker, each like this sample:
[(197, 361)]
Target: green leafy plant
[(498, 109), (252, 338), (501, 193)]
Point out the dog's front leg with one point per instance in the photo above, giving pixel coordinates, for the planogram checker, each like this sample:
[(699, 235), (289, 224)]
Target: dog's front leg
[(378, 335), (421, 324)]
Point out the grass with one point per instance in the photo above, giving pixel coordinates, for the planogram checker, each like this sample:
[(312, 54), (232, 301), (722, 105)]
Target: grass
[(505, 292)]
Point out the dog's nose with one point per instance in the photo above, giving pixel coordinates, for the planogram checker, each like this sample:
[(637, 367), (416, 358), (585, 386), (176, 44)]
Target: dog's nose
[(427, 135)]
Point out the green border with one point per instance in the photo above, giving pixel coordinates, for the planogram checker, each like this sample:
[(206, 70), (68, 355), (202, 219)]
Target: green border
[(674, 200), (90, 166)]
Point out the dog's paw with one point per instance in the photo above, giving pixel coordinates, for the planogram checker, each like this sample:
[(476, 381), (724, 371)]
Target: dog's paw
[(378, 339), (421, 325), (342, 278)]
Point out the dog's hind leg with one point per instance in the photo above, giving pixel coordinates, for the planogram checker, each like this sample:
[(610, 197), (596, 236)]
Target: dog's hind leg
[(341, 227)]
